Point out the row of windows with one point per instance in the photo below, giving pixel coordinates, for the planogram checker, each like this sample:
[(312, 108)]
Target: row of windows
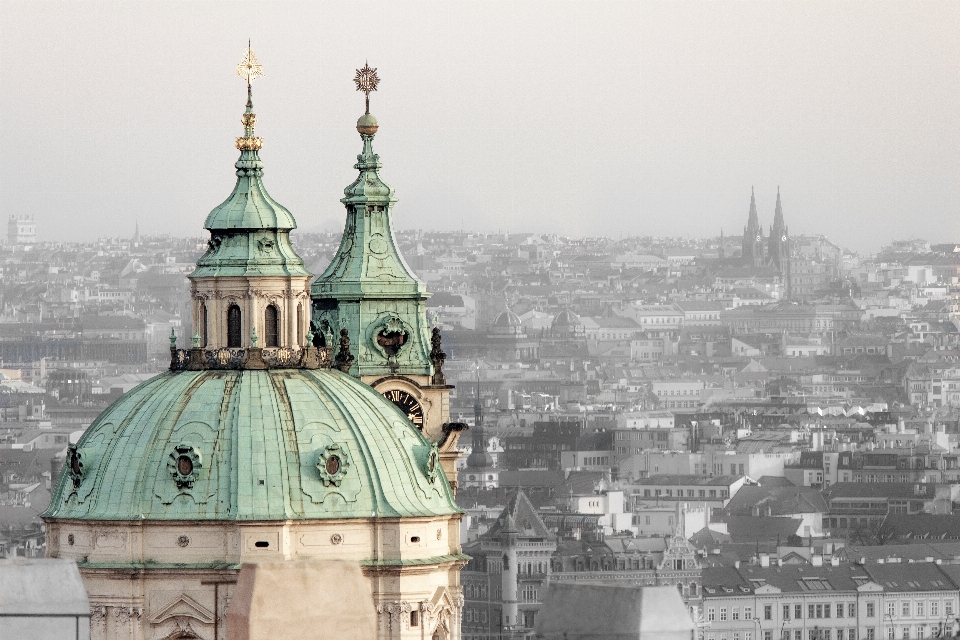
[(795, 611), (271, 324), (701, 493)]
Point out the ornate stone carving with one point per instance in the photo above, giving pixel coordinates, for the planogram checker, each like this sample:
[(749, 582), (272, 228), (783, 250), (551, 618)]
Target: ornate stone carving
[(184, 465), (394, 611), (334, 461), (344, 359), (437, 357)]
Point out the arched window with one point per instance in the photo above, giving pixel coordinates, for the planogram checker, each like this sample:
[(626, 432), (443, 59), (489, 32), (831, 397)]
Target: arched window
[(234, 332), (299, 325), (271, 327), (203, 324)]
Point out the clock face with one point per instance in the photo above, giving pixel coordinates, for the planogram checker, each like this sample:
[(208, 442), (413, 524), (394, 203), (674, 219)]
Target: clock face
[(408, 404)]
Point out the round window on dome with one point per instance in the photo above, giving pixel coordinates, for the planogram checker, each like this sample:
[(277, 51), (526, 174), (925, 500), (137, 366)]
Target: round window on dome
[(184, 465), (333, 465)]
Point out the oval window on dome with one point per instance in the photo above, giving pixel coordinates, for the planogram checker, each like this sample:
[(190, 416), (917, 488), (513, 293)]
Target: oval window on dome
[(333, 465), (184, 465)]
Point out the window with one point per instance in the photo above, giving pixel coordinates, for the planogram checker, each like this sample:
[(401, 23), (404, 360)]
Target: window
[(414, 618), (906, 608), (203, 325), (786, 612), (271, 321), (711, 614), (798, 611), (768, 612), (839, 609), (234, 332), (948, 607), (299, 325), (934, 609), (871, 611), (891, 609), (906, 633), (723, 614), (852, 611), (810, 611), (871, 634), (919, 609), (735, 613)]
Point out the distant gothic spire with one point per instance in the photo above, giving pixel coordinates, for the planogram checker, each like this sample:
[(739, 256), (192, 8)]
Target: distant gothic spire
[(753, 236)]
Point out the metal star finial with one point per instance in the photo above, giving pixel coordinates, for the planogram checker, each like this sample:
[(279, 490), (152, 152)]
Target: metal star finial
[(367, 81), (249, 68)]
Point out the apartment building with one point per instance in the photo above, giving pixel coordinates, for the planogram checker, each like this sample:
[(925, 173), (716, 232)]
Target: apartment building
[(827, 601)]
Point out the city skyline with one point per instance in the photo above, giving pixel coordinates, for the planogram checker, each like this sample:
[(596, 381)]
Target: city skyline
[(538, 120)]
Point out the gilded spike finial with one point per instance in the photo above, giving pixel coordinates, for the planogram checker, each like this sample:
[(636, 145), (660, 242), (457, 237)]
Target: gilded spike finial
[(249, 69)]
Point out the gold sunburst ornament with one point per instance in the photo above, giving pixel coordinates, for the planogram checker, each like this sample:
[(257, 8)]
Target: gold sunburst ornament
[(249, 68), (367, 81)]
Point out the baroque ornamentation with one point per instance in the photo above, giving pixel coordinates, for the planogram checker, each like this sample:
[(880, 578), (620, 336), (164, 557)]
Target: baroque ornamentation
[(394, 611), (433, 466), (184, 465), (75, 465), (333, 464)]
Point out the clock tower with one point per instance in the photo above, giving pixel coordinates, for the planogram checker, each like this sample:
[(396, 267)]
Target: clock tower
[(369, 291)]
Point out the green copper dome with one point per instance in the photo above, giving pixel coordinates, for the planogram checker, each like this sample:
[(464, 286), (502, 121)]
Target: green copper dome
[(250, 231), (251, 445)]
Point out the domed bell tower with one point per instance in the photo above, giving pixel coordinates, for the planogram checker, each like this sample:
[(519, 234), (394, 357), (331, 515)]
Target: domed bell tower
[(369, 291), (250, 288)]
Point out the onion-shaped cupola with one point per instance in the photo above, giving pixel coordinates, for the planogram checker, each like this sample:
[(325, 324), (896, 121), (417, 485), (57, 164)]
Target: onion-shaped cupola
[(250, 282)]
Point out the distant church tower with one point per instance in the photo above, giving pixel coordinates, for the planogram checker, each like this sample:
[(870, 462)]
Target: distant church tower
[(753, 237), (778, 246), (369, 291)]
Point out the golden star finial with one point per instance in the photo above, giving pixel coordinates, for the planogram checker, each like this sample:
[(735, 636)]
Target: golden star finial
[(367, 81), (249, 68)]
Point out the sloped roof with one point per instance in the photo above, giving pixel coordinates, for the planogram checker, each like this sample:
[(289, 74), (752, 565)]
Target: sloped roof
[(781, 500), (761, 528), (523, 515), (927, 526)]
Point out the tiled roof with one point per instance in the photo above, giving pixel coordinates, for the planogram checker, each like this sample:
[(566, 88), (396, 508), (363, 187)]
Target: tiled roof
[(880, 490)]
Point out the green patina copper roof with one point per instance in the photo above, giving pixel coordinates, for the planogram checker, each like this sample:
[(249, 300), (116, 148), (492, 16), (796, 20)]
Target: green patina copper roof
[(250, 231), (249, 206), (255, 440), (368, 262)]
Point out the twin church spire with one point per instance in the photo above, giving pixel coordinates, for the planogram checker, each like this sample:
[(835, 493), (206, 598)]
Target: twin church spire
[(775, 252)]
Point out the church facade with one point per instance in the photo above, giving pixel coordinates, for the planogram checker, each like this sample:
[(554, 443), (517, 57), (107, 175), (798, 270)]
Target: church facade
[(264, 441)]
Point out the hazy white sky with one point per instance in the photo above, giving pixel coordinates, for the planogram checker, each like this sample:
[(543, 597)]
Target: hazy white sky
[(571, 117)]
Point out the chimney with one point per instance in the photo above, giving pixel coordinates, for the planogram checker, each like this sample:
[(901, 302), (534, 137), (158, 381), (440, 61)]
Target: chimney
[(764, 560), (736, 564), (816, 560), (834, 561)]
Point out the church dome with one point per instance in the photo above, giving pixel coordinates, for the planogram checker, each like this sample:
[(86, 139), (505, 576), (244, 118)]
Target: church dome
[(565, 319), (245, 445), (507, 319)]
